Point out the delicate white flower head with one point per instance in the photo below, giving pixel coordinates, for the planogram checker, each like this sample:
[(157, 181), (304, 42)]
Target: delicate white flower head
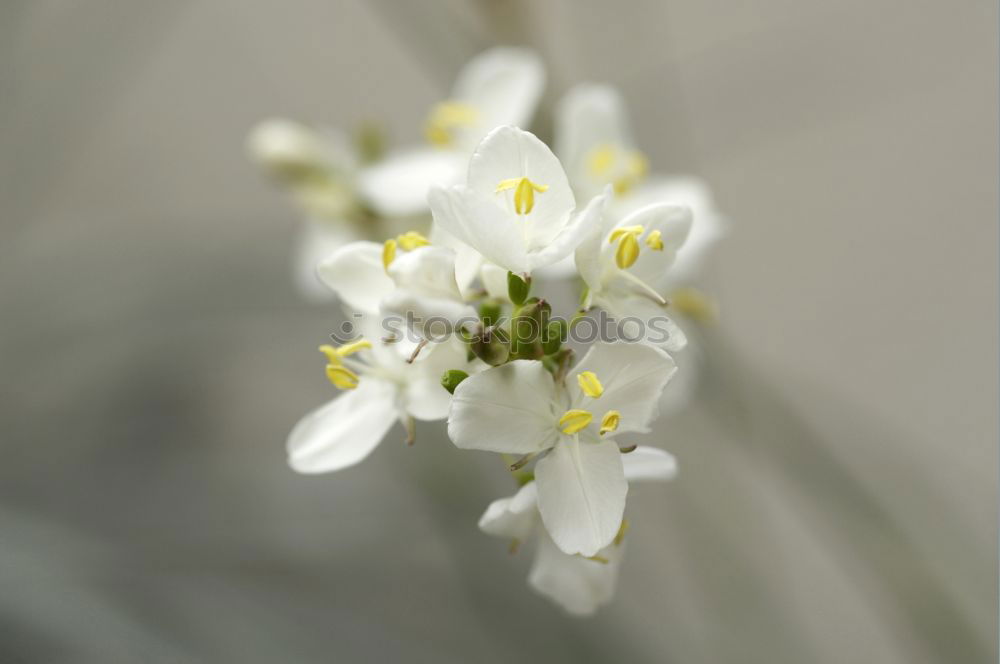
[(319, 165), (382, 387), (626, 263), (499, 87), (577, 583), (518, 408), (426, 291), (517, 208), (595, 143)]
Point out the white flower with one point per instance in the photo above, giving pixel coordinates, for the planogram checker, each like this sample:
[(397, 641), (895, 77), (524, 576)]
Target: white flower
[(580, 585), (518, 408), (426, 292), (517, 207), (498, 87), (596, 146), (356, 273), (624, 265), (382, 388)]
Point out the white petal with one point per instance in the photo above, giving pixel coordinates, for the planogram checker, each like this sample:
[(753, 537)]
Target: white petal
[(355, 273), (512, 517), (424, 398), (284, 144), (563, 244), (432, 318), (494, 280), (467, 259), (649, 463), (575, 583), (427, 271), (581, 493), (642, 319), (633, 376), (505, 409), (397, 186), (508, 152), (589, 116), (344, 431), (479, 223), (503, 85)]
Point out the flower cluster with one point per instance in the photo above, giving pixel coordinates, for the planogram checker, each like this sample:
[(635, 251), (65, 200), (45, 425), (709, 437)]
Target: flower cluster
[(458, 239)]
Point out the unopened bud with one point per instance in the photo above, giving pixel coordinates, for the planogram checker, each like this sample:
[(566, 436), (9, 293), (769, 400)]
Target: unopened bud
[(518, 288), (452, 378)]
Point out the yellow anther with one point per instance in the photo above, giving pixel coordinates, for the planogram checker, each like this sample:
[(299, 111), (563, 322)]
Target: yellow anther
[(411, 240), (575, 420), (589, 383), (628, 251), (610, 421), (445, 117), (638, 165), (352, 347), (598, 559), (601, 159), (388, 253), (524, 192), (341, 376), (694, 304), (655, 240), (332, 356), (619, 233), (622, 529)]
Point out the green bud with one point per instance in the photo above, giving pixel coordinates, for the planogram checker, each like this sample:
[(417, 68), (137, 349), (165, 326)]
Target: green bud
[(526, 328), (518, 288), (452, 378), (490, 312), (553, 337), (490, 347)]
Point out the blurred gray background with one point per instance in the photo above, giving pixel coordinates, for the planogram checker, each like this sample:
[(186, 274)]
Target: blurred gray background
[(837, 500)]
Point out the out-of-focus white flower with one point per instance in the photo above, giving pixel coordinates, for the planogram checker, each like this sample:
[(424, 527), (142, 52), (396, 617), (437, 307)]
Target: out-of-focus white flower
[(625, 263), (595, 143), (382, 387), (519, 408), (318, 165), (577, 583), (517, 208), (498, 87)]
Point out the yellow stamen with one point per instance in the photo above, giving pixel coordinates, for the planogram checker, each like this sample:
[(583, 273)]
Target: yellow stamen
[(575, 420), (341, 377), (332, 356), (601, 159), (655, 240), (628, 251), (388, 253), (352, 347), (620, 537), (619, 233), (694, 304), (610, 421), (524, 192), (411, 240), (598, 559), (589, 383), (445, 118)]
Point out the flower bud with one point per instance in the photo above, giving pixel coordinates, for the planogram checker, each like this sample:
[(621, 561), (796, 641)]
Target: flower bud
[(490, 312), (489, 347), (518, 288), (452, 378)]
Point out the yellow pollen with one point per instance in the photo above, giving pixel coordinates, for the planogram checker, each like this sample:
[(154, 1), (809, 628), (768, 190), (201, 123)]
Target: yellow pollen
[(589, 383), (388, 253), (411, 240), (601, 159), (575, 420), (332, 356), (655, 241), (628, 245), (694, 304), (620, 537), (445, 118), (341, 377), (524, 192), (610, 421)]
